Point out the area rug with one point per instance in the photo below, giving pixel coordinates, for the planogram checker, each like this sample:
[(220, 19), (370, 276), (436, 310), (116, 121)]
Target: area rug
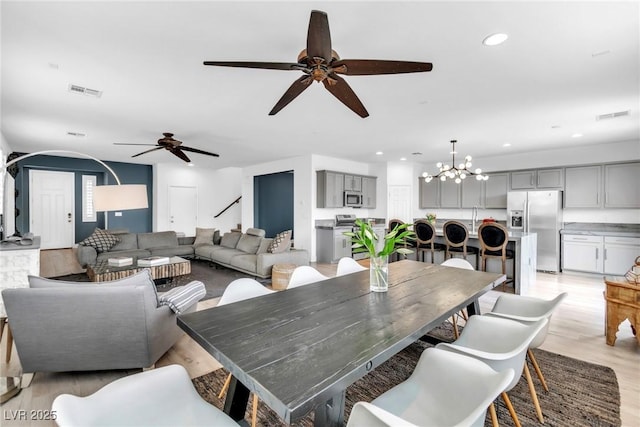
[(580, 393), (215, 278)]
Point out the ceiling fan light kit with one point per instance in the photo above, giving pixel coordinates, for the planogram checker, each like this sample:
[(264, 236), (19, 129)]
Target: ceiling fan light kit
[(320, 63), (453, 172)]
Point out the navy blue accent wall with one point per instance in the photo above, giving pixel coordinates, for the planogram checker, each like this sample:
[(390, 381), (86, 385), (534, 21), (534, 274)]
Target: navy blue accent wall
[(273, 202), (137, 221)]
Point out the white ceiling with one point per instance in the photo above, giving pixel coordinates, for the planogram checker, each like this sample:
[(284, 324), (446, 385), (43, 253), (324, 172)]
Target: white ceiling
[(563, 64)]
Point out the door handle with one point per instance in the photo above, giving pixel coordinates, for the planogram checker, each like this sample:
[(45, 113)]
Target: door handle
[(69, 217)]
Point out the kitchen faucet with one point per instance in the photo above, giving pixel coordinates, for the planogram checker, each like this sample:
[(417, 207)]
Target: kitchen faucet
[(474, 218)]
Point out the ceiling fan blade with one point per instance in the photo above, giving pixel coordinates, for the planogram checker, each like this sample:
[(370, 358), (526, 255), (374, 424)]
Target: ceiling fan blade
[(287, 66), (341, 90), (125, 143), (318, 36), (148, 151), (195, 150), (294, 90), (178, 152), (364, 67)]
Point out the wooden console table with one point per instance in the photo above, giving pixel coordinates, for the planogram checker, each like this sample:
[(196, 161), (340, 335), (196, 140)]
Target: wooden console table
[(623, 302)]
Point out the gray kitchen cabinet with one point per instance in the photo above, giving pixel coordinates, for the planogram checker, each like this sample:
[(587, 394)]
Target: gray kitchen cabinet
[(429, 194), (473, 192), (369, 192), (583, 186), (523, 180), (352, 183), (332, 244), (495, 191), (620, 254), (582, 253), (621, 185), (330, 189), (550, 179), (449, 194)]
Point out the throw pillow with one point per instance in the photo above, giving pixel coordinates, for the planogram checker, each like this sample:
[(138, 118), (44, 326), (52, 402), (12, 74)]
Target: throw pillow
[(280, 243), (182, 297), (204, 236), (230, 240), (100, 240), (249, 244)]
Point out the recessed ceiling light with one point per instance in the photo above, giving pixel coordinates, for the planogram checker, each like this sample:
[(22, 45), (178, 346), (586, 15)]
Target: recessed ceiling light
[(495, 39), (379, 153), (506, 145), (190, 164), (403, 158), (576, 135)]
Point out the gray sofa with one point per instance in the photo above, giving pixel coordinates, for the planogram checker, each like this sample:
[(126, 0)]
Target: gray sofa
[(248, 253), (68, 326), (141, 245)]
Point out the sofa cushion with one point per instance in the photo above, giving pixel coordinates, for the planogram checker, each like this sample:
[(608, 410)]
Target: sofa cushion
[(207, 251), (245, 262), (280, 243), (230, 240), (127, 241), (182, 250), (180, 298), (255, 232), (159, 239), (249, 243), (224, 255), (204, 236), (100, 240)]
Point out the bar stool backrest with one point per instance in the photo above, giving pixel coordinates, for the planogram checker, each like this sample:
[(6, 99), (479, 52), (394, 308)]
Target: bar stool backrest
[(425, 232), (456, 234), (493, 237)]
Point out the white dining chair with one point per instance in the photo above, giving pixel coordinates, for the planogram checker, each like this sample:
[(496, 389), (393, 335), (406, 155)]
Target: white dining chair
[(347, 265), (501, 344), (527, 310), (160, 397), (240, 290), (304, 275), (445, 389), (458, 263)]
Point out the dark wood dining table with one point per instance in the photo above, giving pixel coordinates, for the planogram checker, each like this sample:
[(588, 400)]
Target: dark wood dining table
[(300, 349)]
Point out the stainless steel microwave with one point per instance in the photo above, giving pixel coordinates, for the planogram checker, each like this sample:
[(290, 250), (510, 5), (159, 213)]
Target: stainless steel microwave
[(353, 199)]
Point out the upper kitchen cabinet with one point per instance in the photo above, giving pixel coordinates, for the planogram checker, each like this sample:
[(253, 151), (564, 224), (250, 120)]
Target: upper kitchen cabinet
[(582, 187), (330, 189), (369, 192), (472, 193), (621, 189), (449, 194), (495, 191), (537, 179), (428, 194), (352, 183)]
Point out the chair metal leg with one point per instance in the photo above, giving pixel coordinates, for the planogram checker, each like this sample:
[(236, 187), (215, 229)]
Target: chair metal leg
[(534, 362), (494, 416), (512, 411), (534, 395)]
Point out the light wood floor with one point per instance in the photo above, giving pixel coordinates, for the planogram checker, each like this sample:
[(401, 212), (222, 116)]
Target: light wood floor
[(577, 330)]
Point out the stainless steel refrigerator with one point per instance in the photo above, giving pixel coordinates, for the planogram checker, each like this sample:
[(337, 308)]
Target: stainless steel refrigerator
[(538, 212)]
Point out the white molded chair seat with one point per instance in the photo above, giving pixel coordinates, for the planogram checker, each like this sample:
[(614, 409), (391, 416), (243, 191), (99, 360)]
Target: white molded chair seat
[(159, 397), (502, 344), (348, 265), (445, 389), (240, 290), (304, 275)]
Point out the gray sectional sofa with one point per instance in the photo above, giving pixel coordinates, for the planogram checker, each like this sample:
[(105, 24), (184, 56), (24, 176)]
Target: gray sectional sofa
[(140, 245), (249, 253)]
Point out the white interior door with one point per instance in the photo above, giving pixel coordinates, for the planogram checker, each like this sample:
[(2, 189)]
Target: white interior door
[(399, 203), (183, 209), (51, 208)]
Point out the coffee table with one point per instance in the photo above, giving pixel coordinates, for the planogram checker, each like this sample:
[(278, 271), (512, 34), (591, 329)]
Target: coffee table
[(102, 271)]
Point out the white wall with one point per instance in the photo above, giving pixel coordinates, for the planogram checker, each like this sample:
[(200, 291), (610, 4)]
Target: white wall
[(215, 189)]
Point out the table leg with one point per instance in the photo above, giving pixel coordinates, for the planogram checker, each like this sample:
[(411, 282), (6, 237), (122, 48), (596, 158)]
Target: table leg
[(473, 308), (235, 405), (331, 414)]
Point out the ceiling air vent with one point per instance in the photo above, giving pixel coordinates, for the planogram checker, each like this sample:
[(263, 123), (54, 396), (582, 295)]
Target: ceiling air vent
[(78, 134), (85, 91), (612, 115)]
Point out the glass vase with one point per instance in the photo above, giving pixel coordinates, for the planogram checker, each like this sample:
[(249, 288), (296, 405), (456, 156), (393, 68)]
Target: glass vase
[(379, 274)]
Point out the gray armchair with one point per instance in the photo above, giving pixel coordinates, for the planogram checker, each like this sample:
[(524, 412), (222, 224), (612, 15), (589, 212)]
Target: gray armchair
[(63, 326)]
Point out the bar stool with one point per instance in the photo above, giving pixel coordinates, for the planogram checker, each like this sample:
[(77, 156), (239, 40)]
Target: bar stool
[(425, 240), (456, 236), (493, 244), (393, 223)]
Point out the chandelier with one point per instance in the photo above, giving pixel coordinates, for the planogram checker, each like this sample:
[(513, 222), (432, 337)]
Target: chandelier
[(457, 173)]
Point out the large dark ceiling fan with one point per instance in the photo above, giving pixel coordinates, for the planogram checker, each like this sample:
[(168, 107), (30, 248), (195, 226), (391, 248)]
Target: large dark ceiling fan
[(321, 63), (172, 145)]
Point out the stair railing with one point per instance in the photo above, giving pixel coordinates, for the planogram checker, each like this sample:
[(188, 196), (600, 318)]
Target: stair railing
[(230, 204)]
